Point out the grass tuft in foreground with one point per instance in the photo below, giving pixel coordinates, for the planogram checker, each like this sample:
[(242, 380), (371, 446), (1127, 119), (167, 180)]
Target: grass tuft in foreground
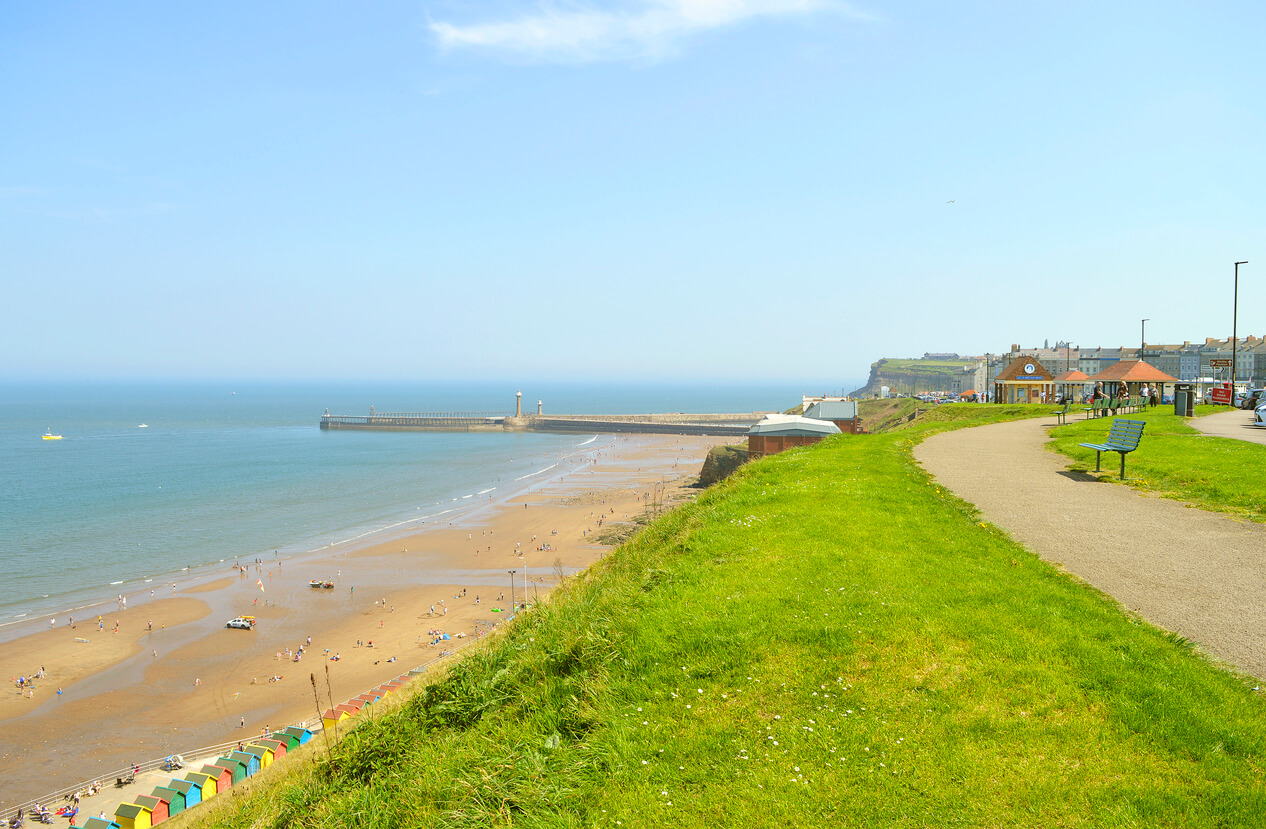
[(826, 638)]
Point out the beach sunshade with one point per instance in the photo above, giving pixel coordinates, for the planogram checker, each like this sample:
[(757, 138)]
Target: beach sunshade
[(99, 823), (192, 791), (251, 761), (302, 733), (206, 781), (132, 816), (237, 767), (175, 800), (157, 806)]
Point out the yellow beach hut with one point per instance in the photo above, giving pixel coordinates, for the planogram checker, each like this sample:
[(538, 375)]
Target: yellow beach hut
[(333, 716), (264, 753), (206, 781), (133, 816)]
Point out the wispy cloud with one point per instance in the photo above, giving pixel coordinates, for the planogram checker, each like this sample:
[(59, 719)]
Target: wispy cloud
[(636, 29)]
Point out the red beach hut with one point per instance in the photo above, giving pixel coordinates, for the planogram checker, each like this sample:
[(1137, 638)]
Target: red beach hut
[(159, 809)]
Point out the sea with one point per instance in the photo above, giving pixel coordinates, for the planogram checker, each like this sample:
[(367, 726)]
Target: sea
[(155, 483)]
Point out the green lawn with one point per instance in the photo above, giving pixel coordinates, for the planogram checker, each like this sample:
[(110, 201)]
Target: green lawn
[(824, 639), (1176, 461)]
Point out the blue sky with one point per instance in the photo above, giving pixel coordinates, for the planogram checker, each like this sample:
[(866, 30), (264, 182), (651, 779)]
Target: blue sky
[(651, 189)]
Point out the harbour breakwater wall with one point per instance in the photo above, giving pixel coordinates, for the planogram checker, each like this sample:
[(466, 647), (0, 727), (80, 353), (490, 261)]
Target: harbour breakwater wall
[(717, 425)]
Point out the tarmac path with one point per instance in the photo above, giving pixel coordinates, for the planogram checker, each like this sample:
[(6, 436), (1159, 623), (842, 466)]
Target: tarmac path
[(1233, 423), (1197, 573)]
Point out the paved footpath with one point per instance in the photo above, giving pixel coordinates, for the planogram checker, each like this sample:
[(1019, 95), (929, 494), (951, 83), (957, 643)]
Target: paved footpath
[(1232, 423), (1200, 574)]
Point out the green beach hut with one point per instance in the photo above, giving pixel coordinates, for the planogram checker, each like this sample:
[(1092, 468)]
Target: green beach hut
[(300, 732), (132, 816), (175, 799), (289, 741), (158, 811), (192, 790), (206, 781), (238, 767), (251, 761)]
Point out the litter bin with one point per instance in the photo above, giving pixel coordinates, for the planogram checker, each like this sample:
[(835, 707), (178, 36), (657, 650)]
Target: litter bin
[(1184, 400)]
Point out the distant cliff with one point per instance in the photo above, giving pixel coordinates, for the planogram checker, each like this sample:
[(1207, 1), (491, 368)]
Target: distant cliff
[(911, 376)]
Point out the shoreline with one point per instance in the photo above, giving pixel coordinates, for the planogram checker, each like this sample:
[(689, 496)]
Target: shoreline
[(97, 600), (386, 590)]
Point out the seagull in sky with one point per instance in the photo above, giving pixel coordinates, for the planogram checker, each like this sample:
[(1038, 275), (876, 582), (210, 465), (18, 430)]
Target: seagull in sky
[(951, 201)]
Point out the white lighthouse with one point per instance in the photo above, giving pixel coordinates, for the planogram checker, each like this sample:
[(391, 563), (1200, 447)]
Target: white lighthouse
[(518, 404)]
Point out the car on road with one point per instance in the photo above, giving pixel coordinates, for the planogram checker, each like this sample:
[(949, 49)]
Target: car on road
[(241, 623), (1259, 415), (1252, 399)]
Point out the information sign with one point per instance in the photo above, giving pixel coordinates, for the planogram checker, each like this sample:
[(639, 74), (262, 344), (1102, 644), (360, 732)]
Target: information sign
[(1221, 362)]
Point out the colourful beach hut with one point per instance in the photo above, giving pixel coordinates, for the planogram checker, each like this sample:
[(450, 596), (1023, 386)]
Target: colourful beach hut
[(303, 734), (289, 741), (333, 716), (191, 789), (222, 776), (238, 768), (206, 781), (100, 823), (367, 700), (278, 747), (175, 799), (251, 761), (158, 810), (132, 816), (264, 753)]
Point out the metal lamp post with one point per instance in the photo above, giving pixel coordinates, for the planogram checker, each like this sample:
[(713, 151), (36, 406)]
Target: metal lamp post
[(1142, 337), (1235, 308), (512, 572)]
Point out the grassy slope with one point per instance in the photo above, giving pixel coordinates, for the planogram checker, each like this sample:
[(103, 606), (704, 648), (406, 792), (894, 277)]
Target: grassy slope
[(826, 638), (1176, 461)]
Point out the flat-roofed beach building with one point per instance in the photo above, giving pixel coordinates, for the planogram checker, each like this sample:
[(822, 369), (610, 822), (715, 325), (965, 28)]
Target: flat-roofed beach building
[(778, 432), (843, 413)]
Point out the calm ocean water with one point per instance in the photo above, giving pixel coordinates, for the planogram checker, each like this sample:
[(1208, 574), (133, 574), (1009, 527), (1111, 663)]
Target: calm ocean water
[(228, 471)]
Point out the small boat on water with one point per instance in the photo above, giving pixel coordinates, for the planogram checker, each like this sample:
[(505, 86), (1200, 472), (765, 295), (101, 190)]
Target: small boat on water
[(48, 435), (143, 426)]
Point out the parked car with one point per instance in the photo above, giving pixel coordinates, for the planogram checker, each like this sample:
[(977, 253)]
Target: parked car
[(240, 623), (1259, 415), (1251, 399)]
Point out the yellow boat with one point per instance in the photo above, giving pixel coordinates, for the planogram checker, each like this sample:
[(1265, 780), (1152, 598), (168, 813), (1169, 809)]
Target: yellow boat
[(48, 435)]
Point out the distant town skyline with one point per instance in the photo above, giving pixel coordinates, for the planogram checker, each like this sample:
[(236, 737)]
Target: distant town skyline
[(718, 190)]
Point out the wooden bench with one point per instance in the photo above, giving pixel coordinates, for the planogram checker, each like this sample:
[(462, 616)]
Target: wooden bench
[(1123, 438)]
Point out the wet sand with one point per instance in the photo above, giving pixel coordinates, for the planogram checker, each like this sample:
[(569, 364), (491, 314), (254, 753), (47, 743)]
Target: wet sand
[(141, 694)]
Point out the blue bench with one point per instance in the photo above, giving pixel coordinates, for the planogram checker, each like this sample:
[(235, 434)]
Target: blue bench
[(1123, 438)]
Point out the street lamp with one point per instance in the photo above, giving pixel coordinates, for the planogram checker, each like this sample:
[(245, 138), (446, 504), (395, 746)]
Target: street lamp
[(1142, 338), (512, 572), (1235, 308)]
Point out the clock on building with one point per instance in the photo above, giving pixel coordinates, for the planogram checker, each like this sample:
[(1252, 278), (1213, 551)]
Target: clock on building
[(1029, 368)]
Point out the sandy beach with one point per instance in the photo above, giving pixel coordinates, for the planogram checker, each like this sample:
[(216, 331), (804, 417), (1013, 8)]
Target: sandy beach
[(173, 678)]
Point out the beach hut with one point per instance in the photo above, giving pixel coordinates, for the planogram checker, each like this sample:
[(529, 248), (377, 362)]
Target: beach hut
[(191, 789), (289, 741), (278, 747), (132, 816), (251, 761), (303, 734), (222, 775), (352, 706), (238, 767), (175, 799), (158, 809), (367, 700), (100, 823), (333, 716), (264, 753), (206, 781)]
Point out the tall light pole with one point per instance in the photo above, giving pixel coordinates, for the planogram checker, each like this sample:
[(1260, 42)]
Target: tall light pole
[(512, 572), (1235, 309), (1142, 337)]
